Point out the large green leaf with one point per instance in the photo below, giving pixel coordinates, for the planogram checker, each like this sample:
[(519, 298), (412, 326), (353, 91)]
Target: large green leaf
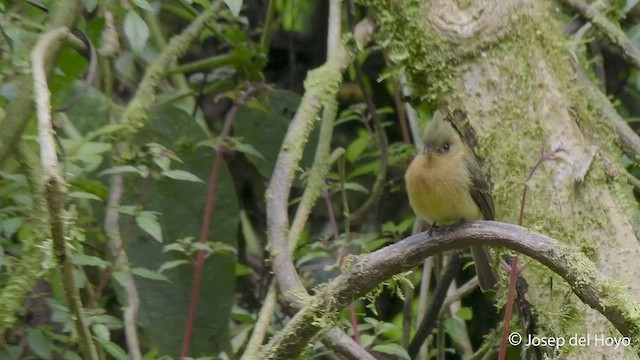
[(264, 125), (164, 304)]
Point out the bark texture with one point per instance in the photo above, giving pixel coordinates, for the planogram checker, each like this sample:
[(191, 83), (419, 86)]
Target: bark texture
[(507, 67)]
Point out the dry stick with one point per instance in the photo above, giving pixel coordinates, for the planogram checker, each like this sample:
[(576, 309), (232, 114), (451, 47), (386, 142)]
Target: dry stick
[(369, 270), (431, 317), (262, 323), (336, 237), (611, 30), (54, 184), (460, 292), (206, 218)]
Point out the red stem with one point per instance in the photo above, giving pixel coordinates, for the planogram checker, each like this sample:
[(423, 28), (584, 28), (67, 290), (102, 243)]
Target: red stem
[(206, 220), (199, 265), (354, 323), (513, 278)]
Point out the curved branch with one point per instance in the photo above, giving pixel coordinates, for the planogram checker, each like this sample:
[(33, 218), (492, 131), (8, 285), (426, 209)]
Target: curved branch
[(367, 271), (54, 183), (321, 86)]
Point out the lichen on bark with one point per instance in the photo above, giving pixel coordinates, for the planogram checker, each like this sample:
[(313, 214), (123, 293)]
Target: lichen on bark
[(507, 66)]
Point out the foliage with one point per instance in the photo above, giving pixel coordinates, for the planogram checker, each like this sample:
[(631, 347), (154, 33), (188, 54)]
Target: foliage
[(167, 167)]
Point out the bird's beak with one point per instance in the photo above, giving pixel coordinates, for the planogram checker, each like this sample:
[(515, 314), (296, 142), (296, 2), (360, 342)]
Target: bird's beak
[(428, 149)]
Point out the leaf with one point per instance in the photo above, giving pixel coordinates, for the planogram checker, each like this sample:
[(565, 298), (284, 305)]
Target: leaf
[(181, 175), (143, 4), (107, 129), (465, 313), (121, 277), (90, 5), (10, 226), (234, 6), (12, 353), (92, 148), (392, 349), (88, 260), (114, 350), (149, 274), (629, 5), (455, 329), (39, 343), (356, 187), (163, 162), (101, 332), (123, 169), (357, 147), (148, 222), (246, 149), (162, 316), (136, 31), (84, 195), (242, 270), (171, 264), (70, 355)]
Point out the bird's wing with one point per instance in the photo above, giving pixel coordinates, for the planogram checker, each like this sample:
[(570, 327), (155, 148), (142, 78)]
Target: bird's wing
[(480, 191)]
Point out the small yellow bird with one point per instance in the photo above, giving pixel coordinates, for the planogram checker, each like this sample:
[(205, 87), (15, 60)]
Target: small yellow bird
[(445, 185)]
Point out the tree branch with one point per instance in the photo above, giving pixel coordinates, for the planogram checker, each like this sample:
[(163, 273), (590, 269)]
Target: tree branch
[(611, 30), (367, 271), (54, 184), (321, 86), (120, 258)]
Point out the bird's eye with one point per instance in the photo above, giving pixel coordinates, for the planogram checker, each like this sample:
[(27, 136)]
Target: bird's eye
[(445, 147)]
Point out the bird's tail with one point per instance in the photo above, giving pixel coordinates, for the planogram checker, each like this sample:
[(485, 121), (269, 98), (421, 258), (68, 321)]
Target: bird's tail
[(487, 277)]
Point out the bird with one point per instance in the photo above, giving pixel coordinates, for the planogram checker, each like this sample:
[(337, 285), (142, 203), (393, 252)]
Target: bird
[(446, 185)]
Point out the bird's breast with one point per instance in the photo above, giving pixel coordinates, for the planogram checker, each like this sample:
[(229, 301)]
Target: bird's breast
[(439, 190)]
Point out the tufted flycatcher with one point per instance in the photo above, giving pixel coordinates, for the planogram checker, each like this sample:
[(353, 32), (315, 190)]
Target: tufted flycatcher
[(445, 185)]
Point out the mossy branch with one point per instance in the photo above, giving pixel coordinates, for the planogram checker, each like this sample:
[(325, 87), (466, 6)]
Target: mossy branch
[(368, 271), (54, 184), (321, 86), (611, 30), (135, 114)]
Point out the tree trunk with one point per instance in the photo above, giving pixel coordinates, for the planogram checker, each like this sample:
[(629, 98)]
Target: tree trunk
[(505, 64)]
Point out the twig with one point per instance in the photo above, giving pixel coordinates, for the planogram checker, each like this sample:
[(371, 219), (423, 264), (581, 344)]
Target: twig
[(54, 184), (135, 113), (611, 30), (629, 139), (358, 216), (262, 323), (317, 174), (459, 293), (514, 272), (267, 28), (112, 230), (439, 295), (369, 270)]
